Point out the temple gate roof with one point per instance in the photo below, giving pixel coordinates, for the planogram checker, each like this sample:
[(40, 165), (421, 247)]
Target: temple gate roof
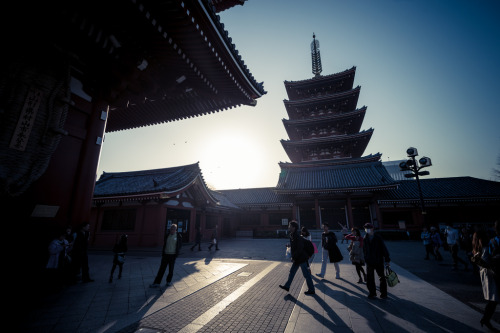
[(152, 61)]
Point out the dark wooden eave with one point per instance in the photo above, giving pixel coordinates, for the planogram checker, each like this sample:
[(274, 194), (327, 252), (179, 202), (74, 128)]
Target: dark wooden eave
[(357, 141), (151, 61), (342, 81), (346, 100), (353, 120)]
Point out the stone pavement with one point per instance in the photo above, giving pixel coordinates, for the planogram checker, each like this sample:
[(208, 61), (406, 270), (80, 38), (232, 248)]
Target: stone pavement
[(236, 290)]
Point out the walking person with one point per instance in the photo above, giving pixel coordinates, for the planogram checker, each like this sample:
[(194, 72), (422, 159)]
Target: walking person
[(436, 243), (80, 252), (344, 232), (171, 245), (119, 251), (376, 254), (214, 240), (356, 255), (452, 240), (481, 249), (307, 235), (426, 240), (57, 251), (299, 259), (197, 240), (329, 249)]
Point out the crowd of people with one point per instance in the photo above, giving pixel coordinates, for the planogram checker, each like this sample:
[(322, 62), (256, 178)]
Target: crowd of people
[(68, 256)]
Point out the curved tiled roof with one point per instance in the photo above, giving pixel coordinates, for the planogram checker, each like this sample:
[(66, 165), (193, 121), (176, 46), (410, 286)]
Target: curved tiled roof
[(224, 202), (453, 188), (341, 178), (324, 98), (164, 181), (265, 196), (322, 79)]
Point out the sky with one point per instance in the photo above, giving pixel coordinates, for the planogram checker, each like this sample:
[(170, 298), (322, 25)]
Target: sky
[(428, 72)]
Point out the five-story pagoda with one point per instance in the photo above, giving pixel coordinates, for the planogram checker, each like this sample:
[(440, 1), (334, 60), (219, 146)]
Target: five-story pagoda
[(328, 176)]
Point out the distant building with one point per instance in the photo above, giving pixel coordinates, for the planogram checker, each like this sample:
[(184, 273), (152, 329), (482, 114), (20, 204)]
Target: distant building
[(327, 180), (393, 169)]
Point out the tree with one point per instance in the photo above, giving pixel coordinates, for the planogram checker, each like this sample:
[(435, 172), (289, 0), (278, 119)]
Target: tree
[(496, 171)]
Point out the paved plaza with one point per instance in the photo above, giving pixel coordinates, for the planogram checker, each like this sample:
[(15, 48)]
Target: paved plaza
[(236, 290)]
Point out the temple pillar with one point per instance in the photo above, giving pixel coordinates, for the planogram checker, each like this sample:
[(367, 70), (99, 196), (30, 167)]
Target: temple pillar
[(318, 213), (349, 216)]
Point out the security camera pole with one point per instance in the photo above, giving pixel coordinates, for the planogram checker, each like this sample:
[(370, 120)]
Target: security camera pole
[(415, 166)]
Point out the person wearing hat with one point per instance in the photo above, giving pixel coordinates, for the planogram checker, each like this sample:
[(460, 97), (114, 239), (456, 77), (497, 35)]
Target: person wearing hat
[(376, 254)]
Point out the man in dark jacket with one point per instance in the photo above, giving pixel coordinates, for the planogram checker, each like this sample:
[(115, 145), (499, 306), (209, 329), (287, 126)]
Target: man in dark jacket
[(80, 252), (299, 259), (171, 247), (376, 254)]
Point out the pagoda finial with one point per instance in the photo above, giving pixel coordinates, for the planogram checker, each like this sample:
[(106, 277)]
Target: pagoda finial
[(316, 57)]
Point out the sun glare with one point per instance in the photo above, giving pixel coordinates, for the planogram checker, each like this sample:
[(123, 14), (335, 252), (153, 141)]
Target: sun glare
[(230, 160)]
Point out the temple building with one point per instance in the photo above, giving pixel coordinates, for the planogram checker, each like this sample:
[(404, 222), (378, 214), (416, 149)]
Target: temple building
[(328, 180), (328, 177), (75, 70)]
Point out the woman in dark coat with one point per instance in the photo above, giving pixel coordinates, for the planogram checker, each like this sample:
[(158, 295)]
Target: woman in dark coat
[(329, 250)]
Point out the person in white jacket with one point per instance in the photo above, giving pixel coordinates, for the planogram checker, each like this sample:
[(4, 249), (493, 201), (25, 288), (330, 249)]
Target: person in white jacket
[(57, 252)]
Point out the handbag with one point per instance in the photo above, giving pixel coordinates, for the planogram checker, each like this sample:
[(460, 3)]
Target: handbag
[(288, 253), (479, 261), (391, 277), (120, 258)]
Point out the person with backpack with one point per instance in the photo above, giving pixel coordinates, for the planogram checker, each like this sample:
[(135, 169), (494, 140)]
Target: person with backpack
[(309, 245), (299, 259), (329, 250)]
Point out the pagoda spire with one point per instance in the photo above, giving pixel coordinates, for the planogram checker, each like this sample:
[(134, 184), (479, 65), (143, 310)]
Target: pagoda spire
[(316, 57)]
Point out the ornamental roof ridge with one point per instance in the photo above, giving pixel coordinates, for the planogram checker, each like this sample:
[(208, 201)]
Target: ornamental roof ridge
[(364, 159), (327, 117), (324, 97), (322, 77), (258, 86), (107, 175), (329, 138)]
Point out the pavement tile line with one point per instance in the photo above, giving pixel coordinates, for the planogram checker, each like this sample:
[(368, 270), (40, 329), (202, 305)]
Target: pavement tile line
[(169, 295), (211, 313)]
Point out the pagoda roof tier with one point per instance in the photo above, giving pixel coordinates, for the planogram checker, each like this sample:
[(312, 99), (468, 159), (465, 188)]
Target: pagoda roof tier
[(340, 102), (333, 83), (353, 120), (355, 177), (333, 162), (351, 144), (150, 61)]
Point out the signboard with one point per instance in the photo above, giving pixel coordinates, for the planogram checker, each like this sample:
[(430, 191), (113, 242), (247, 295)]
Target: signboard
[(44, 211)]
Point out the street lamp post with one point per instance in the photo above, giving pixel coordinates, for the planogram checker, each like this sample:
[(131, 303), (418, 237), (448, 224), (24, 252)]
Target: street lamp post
[(415, 166)]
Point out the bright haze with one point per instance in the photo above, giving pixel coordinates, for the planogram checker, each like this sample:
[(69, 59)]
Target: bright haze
[(428, 71)]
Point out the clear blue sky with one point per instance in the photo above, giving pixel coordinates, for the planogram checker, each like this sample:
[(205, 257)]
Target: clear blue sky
[(428, 72)]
